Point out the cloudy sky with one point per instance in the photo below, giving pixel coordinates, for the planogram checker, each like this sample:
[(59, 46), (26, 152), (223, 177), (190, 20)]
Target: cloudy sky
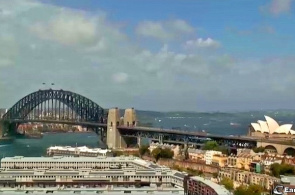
[(152, 55)]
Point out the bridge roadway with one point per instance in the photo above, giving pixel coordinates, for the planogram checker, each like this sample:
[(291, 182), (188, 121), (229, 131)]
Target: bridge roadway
[(160, 131), (187, 133), (140, 129), (207, 135)]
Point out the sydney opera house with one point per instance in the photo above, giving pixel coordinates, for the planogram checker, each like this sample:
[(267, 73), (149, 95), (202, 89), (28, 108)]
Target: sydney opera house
[(270, 128)]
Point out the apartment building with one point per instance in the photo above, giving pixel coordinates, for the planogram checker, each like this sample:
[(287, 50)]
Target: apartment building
[(219, 160), (201, 186), (209, 156), (246, 177)]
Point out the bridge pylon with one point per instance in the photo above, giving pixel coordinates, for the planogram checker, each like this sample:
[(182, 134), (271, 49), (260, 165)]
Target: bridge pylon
[(130, 117), (114, 139)]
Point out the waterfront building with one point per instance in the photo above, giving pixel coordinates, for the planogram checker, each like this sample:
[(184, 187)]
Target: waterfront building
[(77, 151), (243, 159), (174, 148), (209, 156), (246, 177), (219, 160), (61, 172), (196, 154), (201, 186), (270, 128), (269, 160)]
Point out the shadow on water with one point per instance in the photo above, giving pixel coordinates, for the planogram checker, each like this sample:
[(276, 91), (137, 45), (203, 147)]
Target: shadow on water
[(37, 147)]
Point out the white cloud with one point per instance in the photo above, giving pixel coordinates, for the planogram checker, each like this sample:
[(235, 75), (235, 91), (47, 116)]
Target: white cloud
[(165, 30), (201, 43), (91, 55), (277, 7), (8, 50), (73, 30), (120, 77), (153, 29), (180, 26)]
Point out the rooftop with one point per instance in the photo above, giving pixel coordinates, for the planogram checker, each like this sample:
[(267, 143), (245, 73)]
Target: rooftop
[(79, 149), (288, 179), (220, 190), (68, 159), (92, 191)]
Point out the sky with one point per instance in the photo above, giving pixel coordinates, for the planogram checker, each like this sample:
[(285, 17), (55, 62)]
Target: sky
[(176, 55)]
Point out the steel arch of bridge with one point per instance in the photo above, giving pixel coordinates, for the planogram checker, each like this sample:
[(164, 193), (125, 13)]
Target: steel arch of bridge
[(88, 110)]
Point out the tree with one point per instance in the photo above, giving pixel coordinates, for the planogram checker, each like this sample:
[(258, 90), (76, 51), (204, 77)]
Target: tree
[(282, 169), (224, 150), (228, 183), (252, 189), (259, 149), (215, 175), (241, 190), (287, 169), (186, 154), (255, 189), (166, 153), (275, 169), (144, 150), (211, 145), (156, 153)]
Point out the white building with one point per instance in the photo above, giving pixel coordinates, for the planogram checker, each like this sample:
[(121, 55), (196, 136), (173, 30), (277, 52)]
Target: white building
[(209, 156), (271, 126), (77, 151), (97, 169)]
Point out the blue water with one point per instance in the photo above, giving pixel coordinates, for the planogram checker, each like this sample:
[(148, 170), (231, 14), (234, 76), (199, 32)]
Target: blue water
[(37, 147), (214, 123), (218, 123)]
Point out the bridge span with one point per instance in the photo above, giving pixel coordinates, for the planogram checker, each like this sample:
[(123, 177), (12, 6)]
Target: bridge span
[(65, 107)]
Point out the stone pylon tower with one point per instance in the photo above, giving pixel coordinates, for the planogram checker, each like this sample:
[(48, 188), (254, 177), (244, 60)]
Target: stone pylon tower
[(130, 120), (113, 134), (130, 117), (114, 138)]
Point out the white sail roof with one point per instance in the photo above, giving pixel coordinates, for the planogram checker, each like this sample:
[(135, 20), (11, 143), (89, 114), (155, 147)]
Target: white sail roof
[(272, 124), (263, 126), (256, 126), (284, 129)]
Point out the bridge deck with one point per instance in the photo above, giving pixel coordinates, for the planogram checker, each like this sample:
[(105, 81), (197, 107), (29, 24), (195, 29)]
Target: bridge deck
[(188, 133), (162, 131)]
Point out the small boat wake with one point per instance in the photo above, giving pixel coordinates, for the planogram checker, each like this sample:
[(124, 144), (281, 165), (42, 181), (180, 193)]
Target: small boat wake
[(3, 146), (235, 124)]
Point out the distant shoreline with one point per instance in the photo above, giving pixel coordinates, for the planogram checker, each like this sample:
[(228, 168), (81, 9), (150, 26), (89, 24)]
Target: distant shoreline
[(55, 132)]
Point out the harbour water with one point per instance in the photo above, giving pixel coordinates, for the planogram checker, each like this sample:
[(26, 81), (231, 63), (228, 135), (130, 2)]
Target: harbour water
[(37, 147), (214, 123)]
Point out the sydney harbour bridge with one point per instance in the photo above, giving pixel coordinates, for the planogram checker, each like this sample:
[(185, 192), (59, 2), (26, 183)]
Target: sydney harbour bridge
[(66, 107)]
